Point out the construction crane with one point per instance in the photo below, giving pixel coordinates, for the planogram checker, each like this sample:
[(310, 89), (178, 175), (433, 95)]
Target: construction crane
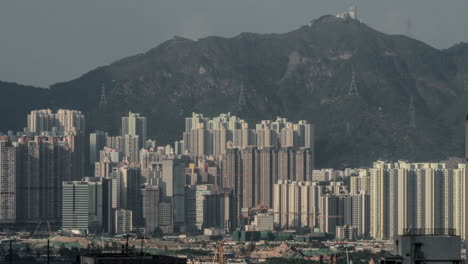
[(219, 257)]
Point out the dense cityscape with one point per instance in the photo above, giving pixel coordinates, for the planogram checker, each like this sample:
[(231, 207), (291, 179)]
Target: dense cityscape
[(223, 181), (232, 187)]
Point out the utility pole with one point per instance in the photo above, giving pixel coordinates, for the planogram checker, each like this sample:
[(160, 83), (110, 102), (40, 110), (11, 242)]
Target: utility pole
[(11, 251), (48, 251), (141, 250)]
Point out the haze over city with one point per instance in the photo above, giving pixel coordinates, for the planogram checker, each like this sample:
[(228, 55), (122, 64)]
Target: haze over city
[(233, 132), (40, 37)]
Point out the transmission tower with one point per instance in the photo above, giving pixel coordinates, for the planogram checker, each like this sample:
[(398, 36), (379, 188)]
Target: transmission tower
[(103, 101), (412, 113), (353, 91), (241, 102)]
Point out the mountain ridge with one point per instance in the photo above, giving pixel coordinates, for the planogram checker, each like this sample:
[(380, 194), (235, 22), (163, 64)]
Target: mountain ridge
[(302, 74)]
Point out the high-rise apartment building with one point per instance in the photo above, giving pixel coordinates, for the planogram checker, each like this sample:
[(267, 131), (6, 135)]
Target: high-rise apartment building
[(43, 163), (62, 123), (466, 138), (416, 195), (151, 198), (359, 184), (286, 164), (205, 136), (128, 145), (331, 212), (41, 120), (165, 219), (384, 202), (360, 214), (97, 141), (132, 148), (250, 176), (132, 196), (304, 164), (296, 204), (268, 166), (123, 221), (135, 125), (171, 174), (70, 120), (8, 194), (76, 142), (219, 211), (232, 177), (195, 214)]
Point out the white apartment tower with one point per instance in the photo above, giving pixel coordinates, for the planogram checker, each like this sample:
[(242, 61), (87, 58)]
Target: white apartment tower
[(64, 122), (135, 125)]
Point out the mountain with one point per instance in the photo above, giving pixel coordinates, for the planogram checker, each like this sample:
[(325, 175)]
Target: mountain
[(17, 101), (306, 74)]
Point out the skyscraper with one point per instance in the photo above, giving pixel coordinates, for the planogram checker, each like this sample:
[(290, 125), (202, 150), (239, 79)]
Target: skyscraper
[(304, 164), (8, 195), (296, 204), (41, 120), (205, 136), (97, 141), (132, 148), (466, 138), (43, 163), (286, 164), (123, 221), (195, 215), (416, 195), (250, 173), (171, 173), (76, 144), (70, 120), (132, 182), (135, 125), (384, 202), (82, 206), (268, 164), (62, 123), (232, 175), (151, 198), (219, 211)]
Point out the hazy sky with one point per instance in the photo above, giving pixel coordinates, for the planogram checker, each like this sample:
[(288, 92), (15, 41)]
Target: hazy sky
[(47, 41)]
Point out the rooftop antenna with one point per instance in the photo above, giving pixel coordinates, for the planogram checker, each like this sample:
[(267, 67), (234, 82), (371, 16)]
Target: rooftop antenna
[(412, 113), (353, 91)]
